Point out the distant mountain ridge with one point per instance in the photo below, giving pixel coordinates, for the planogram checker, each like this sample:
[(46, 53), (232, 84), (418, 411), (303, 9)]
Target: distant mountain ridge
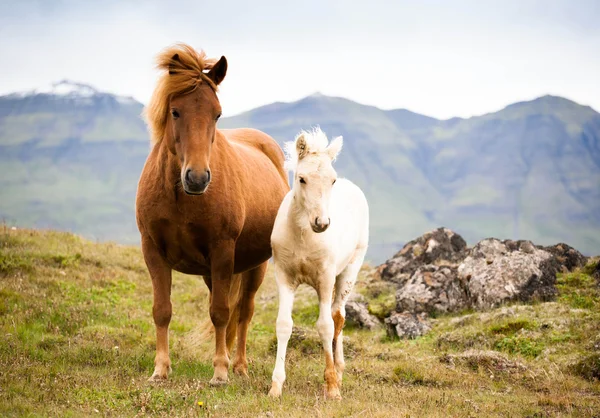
[(70, 158)]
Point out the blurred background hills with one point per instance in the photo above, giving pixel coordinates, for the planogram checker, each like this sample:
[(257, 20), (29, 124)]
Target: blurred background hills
[(71, 156)]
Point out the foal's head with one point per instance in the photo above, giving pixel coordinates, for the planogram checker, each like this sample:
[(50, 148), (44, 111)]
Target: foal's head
[(184, 110), (314, 177)]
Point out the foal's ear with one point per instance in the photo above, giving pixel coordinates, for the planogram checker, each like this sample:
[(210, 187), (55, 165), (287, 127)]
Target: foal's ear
[(301, 146), (334, 148), (174, 61), (218, 71)]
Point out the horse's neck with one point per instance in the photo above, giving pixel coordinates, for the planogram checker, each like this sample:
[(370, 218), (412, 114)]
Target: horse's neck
[(169, 166)]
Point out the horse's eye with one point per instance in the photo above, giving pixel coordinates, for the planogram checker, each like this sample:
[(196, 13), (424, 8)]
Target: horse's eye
[(175, 114), (302, 180), (218, 117), (333, 182)]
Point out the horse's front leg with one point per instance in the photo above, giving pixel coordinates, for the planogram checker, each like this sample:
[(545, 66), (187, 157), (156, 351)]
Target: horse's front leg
[(160, 273), (284, 330), (325, 326), (222, 260)]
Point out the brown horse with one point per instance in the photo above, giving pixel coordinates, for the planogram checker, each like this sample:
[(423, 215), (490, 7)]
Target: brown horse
[(206, 204)]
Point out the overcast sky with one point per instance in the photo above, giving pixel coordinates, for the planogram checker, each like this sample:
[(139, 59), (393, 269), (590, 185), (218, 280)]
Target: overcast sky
[(440, 58)]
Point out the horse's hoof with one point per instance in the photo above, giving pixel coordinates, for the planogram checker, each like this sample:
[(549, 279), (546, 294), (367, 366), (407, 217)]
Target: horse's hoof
[(156, 377), (241, 370), (218, 381)]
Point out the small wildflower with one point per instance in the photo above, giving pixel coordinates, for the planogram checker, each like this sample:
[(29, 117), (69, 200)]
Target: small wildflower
[(200, 403)]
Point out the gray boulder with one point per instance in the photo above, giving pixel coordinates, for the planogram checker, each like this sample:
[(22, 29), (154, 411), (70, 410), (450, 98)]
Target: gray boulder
[(358, 313), (500, 271), (440, 246), (407, 325), (568, 257), (433, 289)]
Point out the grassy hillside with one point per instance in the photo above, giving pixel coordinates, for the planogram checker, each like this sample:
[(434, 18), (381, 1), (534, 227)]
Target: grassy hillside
[(78, 339)]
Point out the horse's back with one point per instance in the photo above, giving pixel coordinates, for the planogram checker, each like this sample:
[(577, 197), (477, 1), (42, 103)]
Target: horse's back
[(259, 141)]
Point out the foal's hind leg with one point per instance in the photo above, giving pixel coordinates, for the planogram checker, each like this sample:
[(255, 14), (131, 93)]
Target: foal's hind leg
[(161, 308), (251, 281), (343, 288), (326, 328)]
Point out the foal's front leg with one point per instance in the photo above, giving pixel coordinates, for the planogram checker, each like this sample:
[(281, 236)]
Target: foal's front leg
[(326, 329), (160, 273), (284, 331)]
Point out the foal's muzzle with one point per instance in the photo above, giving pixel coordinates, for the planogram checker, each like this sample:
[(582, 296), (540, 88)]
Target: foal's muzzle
[(320, 225), (195, 183)]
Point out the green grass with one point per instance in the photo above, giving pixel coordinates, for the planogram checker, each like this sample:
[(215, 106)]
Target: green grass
[(77, 339)]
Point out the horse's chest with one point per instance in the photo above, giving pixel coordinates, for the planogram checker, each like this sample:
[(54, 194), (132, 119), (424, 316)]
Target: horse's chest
[(182, 245)]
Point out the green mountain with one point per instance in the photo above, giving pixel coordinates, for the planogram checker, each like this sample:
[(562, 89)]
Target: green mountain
[(531, 170), (70, 158)]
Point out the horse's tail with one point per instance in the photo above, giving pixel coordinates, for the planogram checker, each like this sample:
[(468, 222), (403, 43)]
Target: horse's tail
[(206, 329)]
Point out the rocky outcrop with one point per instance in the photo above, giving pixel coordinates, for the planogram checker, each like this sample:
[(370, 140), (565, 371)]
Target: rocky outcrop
[(440, 246), (358, 312), (438, 273), (568, 257), (432, 289), (407, 325), (500, 271)]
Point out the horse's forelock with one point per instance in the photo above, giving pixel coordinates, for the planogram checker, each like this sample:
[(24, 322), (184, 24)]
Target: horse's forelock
[(183, 68)]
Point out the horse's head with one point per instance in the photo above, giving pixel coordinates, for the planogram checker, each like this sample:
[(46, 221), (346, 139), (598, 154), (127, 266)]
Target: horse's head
[(314, 176), (184, 111)]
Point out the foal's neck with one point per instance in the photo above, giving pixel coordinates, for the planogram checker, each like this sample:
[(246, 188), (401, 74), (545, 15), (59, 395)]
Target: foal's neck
[(297, 219)]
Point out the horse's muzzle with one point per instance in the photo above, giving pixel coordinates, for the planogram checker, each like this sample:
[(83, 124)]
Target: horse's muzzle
[(195, 183)]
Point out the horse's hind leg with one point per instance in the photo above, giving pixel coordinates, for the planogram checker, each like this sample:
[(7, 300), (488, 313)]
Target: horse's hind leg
[(251, 281), (234, 304), (221, 280), (161, 308), (343, 288)]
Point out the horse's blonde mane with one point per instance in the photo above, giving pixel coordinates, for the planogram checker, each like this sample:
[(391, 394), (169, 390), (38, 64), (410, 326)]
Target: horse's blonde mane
[(183, 71), (316, 143)]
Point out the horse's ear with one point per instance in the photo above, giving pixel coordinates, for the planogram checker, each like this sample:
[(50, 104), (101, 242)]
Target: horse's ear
[(335, 147), (301, 146), (218, 71), (174, 59)]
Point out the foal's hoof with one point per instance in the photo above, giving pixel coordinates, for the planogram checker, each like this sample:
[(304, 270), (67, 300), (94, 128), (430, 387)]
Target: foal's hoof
[(275, 391), (218, 381)]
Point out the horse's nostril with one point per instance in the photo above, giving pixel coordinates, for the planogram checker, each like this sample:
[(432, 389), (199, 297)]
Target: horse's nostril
[(187, 175), (207, 176), (317, 223)]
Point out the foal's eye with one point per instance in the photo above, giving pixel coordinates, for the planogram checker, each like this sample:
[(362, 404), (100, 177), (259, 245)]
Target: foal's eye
[(333, 182), (302, 180), (175, 114), (218, 117)]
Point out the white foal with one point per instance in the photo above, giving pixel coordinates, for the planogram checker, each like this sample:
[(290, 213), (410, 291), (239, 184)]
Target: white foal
[(320, 238)]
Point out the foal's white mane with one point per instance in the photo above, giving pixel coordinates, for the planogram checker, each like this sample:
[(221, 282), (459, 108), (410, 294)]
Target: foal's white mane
[(316, 143)]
